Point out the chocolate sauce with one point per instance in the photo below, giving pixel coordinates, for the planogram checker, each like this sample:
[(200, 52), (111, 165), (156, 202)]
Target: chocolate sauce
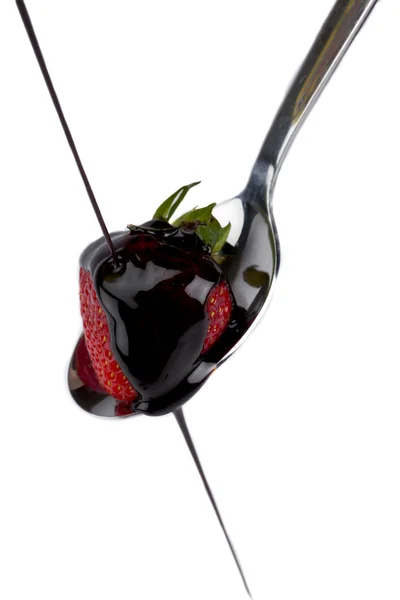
[(155, 303), (46, 75), (180, 418)]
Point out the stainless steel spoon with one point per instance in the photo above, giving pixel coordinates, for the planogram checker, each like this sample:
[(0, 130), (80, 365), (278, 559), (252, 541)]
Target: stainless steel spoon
[(252, 256)]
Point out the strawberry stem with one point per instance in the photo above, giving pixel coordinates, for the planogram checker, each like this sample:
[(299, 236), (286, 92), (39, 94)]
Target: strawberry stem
[(39, 56)]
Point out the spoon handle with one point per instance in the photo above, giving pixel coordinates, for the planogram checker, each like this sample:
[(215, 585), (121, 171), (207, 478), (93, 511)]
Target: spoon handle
[(330, 45)]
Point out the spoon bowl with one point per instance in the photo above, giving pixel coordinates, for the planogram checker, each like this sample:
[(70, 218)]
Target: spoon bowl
[(250, 261)]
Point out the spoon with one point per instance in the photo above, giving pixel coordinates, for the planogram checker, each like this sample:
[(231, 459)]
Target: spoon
[(251, 257)]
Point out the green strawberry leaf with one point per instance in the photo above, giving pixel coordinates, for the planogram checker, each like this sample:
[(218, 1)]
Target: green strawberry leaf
[(208, 228), (223, 236), (200, 220), (200, 216), (209, 233), (165, 211)]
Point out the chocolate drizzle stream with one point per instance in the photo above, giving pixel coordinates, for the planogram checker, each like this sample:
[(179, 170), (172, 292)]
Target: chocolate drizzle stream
[(38, 53), (180, 418)]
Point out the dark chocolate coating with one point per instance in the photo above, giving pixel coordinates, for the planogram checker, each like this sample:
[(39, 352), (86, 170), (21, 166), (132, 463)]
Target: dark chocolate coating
[(155, 302)]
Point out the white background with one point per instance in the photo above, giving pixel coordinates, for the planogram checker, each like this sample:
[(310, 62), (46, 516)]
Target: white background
[(299, 432)]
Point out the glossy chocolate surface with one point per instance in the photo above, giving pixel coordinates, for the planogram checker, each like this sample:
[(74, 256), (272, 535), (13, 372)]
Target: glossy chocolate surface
[(155, 302)]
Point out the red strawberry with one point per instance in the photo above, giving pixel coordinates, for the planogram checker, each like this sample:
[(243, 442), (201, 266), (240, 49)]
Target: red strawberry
[(97, 337), (198, 223), (219, 310)]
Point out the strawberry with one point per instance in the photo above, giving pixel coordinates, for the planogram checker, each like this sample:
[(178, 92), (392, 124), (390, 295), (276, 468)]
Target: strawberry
[(147, 244), (219, 310), (98, 343)]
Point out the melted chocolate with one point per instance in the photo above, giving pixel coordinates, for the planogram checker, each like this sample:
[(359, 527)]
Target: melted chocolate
[(155, 302), (180, 418)]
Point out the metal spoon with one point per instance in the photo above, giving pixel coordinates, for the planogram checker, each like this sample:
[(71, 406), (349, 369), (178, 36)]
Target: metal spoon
[(251, 257)]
